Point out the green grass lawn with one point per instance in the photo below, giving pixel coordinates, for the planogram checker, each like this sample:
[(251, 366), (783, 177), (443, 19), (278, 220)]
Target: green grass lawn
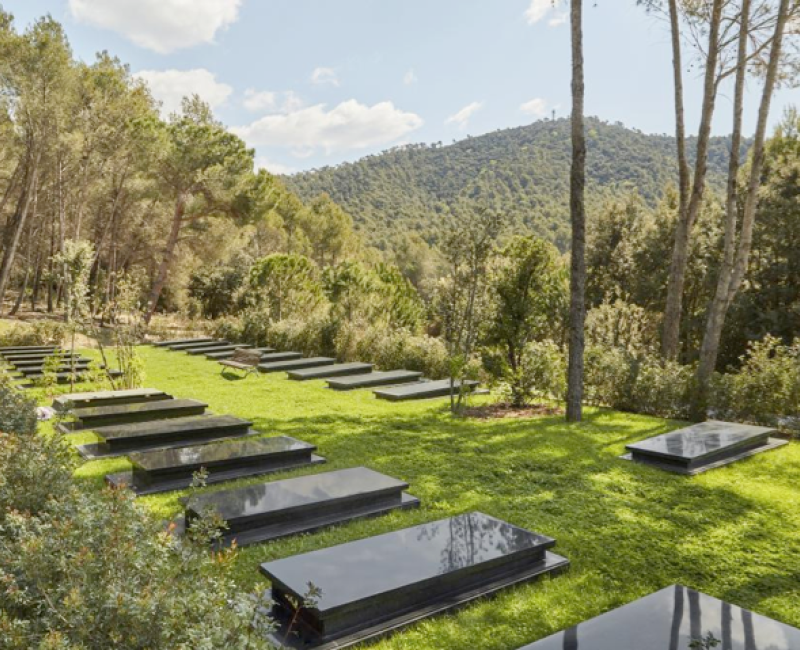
[(627, 529)]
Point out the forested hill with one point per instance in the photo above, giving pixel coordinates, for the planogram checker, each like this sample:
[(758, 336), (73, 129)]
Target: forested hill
[(522, 171)]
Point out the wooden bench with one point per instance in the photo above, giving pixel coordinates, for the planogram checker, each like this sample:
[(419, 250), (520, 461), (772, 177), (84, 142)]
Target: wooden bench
[(242, 359)]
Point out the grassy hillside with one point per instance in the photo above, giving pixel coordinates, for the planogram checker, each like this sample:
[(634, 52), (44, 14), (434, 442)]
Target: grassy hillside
[(522, 171), (627, 529)]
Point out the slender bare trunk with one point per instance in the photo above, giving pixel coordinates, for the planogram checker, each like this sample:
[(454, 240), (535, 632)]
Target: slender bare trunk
[(736, 258), (19, 225), (577, 307), (166, 261), (673, 312)]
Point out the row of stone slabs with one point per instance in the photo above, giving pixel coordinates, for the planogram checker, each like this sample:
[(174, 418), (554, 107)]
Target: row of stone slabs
[(483, 554), (28, 362), (376, 585), (394, 385)]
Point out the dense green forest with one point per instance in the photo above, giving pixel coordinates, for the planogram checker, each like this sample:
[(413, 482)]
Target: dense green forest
[(521, 172)]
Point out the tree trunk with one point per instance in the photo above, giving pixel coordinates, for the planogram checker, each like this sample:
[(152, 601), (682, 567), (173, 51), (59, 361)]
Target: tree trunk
[(673, 312), (577, 307), (19, 225), (736, 259), (169, 253)]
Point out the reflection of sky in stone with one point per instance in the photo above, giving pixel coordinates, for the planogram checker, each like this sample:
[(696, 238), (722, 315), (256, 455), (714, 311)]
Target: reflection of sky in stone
[(295, 492), (143, 407), (196, 423), (382, 564), (212, 453), (669, 620), (699, 439)]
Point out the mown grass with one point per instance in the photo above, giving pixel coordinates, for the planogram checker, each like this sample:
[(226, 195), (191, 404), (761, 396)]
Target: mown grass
[(627, 529)]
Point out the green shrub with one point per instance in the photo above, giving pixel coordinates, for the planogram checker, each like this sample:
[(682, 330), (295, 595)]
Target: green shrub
[(228, 328), (545, 370), (609, 375), (89, 569), (662, 388), (395, 349), (41, 332), (17, 411)]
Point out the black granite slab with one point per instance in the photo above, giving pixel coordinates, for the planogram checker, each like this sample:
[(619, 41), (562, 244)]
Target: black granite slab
[(123, 439), (183, 347), (27, 348), (297, 364), (64, 377), (82, 364), (227, 354), (271, 357), (674, 618), (373, 586), (336, 370), (100, 416), (172, 469), (375, 379), (64, 403), (228, 347), (36, 356), (703, 446), (166, 344), (299, 505), (422, 390)]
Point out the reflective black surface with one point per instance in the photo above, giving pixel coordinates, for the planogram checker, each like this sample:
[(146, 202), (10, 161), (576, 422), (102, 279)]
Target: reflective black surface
[(422, 390), (671, 619), (331, 371), (170, 427), (215, 453), (369, 567), (375, 379), (700, 440), (294, 493), (161, 344), (313, 362), (129, 409)]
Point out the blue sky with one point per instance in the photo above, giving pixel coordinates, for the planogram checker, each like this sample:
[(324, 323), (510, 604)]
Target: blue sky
[(317, 82)]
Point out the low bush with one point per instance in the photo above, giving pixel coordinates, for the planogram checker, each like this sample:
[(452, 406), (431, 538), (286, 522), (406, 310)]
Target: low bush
[(89, 569), (41, 332), (393, 349)]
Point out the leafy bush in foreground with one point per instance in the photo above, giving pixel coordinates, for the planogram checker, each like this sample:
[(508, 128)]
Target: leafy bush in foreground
[(88, 569)]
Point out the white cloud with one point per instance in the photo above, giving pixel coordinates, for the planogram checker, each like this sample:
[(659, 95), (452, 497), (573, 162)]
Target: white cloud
[(160, 25), (461, 119), (539, 9), (350, 125), (266, 101), (536, 107), (171, 86), (274, 167), (410, 77), (263, 100), (324, 76)]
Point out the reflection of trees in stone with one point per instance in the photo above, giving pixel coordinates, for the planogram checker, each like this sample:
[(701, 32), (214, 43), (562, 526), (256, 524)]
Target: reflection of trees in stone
[(571, 638), (677, 619), (470, 539)]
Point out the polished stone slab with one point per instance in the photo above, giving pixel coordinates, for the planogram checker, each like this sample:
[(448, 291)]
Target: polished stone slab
[(674, 619), (703, 446), (123, 439), (297, 364), (227, 347), (100, 416), (272, 357), (63, 377), (184, 347), (82, 364), (172, 469), (422, 390), (12, 349), (375, 379), (166, 344), (373, 586), (69, 401), (37, 356), (336, 370), (227, 354), (299, 505)]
